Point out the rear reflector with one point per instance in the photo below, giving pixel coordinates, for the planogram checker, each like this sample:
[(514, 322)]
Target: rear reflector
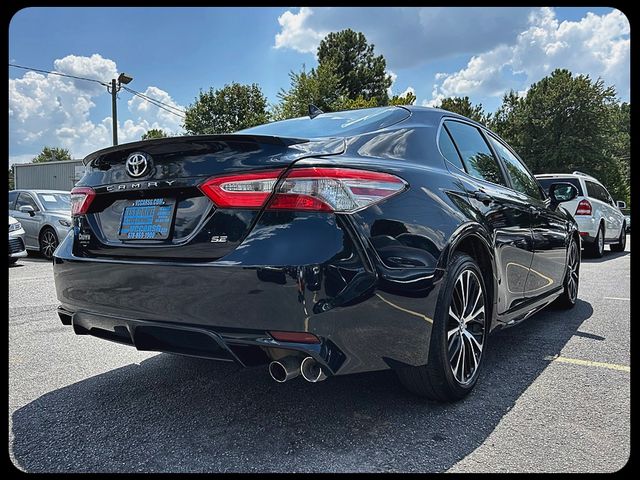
[(584, 234), (81, 198), (295, 337), (316, 189), (584, 208)]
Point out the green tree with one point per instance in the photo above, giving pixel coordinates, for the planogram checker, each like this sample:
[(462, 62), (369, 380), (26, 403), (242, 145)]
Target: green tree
[(11, 182), (565, 123), (320, 87), (463, 106), (408, 99), (154, 133), (228, 109), (359, 70), (52, 154)]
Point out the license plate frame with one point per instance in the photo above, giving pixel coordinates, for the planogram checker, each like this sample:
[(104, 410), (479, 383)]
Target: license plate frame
[(147, 219)]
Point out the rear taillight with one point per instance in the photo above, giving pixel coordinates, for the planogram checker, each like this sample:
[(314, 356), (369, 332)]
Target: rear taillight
[(334, 189), (81, 198), (247, 190), (318, 189), (584, 208)]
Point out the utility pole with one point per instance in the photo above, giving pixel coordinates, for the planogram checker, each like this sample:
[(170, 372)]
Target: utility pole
[(114, 111), (123, 78)]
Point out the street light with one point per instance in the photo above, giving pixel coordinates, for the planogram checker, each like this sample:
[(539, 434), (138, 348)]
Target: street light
[(122, 79)]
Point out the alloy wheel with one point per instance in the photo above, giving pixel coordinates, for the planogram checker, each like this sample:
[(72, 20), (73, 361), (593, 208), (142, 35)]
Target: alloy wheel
[(466, 327), (574, 271), (48, 243), (600, 241)]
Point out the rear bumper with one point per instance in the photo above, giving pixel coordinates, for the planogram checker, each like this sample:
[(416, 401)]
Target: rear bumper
[(588, 227), (16, 245), (219, 309)]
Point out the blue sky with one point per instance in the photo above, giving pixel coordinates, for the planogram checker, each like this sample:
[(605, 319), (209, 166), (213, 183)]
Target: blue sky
[(174, 52)]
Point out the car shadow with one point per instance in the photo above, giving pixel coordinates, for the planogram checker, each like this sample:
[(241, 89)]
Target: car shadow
[(608, 255), (180, 414)]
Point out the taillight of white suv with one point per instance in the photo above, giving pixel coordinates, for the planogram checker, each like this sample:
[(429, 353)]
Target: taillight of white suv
[(584, 208)]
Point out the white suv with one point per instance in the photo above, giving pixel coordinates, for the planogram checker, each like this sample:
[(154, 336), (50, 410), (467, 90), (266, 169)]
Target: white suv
[(598, 216)]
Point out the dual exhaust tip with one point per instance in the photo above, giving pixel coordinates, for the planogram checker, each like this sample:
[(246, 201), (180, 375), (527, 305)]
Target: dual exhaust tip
[(290, 367)]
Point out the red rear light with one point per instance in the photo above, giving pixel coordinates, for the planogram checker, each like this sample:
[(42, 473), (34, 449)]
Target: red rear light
[(295, 337), (81, 198), (334, 189), (313, 189), (243, 190), (584, 208)]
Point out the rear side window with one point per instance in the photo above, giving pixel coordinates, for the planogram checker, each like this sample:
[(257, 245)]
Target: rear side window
[(476, 155), (596, 191), (521, 179), (12, 200), (546, 183), (448, 149)]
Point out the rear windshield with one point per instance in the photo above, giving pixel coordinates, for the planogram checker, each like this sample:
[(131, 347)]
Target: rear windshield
[(336, 124), (546, 183)]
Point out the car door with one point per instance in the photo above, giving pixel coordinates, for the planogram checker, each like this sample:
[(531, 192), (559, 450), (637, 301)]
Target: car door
[(599, 205), (616, 218), (31, 224), (549, 227), (504, 213)]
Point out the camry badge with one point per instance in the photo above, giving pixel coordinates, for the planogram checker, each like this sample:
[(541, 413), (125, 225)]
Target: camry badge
[(137, 164)]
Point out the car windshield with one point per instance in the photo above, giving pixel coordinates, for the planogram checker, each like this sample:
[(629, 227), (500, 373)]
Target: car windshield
[(336, 124), (55, 201)]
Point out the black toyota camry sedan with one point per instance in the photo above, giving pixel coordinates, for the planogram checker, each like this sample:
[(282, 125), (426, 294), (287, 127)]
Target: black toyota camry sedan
[(385, 238)]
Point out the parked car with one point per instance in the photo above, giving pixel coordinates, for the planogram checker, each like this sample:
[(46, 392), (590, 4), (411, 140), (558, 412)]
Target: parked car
[(599, 217), (45, 216), (627, 217), (16, 241), (393, 237)]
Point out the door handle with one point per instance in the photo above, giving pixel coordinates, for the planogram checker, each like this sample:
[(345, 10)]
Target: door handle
[(483, 196), (534, 210)]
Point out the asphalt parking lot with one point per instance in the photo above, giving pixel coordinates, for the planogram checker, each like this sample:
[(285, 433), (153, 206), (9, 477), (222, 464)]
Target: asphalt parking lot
[(554, 396)]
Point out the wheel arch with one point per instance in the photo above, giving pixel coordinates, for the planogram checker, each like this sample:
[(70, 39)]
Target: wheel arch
[(473, 240)]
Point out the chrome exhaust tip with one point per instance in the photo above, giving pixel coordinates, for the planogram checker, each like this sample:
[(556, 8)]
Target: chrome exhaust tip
[(284, 369), (311, 370)]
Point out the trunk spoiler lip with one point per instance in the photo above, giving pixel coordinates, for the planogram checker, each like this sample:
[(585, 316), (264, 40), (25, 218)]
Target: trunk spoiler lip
[(270, 139)]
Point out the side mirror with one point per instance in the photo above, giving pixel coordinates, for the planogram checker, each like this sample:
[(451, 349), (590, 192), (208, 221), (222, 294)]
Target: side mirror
[(562, 192), (28, 209), (621, 204)]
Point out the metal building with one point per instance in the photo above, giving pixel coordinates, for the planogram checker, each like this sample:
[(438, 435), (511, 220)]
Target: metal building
[(48, 175)]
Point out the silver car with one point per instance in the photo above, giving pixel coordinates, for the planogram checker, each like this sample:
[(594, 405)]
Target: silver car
[(45, 216), (16, 241)]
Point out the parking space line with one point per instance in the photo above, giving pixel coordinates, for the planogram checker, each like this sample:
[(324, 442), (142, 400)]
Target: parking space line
[(617, 298), (589, 363)]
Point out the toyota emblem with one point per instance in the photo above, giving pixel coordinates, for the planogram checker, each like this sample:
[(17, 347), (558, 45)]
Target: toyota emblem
[(137, 164)]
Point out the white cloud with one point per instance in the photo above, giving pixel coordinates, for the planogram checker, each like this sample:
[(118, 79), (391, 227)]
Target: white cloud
[(597, 45), (407, 91), (56, 111), (393, 76), (295, 34), (406, 36)]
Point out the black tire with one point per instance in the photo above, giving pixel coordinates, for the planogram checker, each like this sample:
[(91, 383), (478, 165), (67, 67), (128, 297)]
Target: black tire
[(571, 279), (12, 260), (439, 380), (48, 242), (596, 249), (622, 241)]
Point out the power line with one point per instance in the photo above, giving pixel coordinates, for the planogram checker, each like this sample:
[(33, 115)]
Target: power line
[(164, 106), (59, 74)]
